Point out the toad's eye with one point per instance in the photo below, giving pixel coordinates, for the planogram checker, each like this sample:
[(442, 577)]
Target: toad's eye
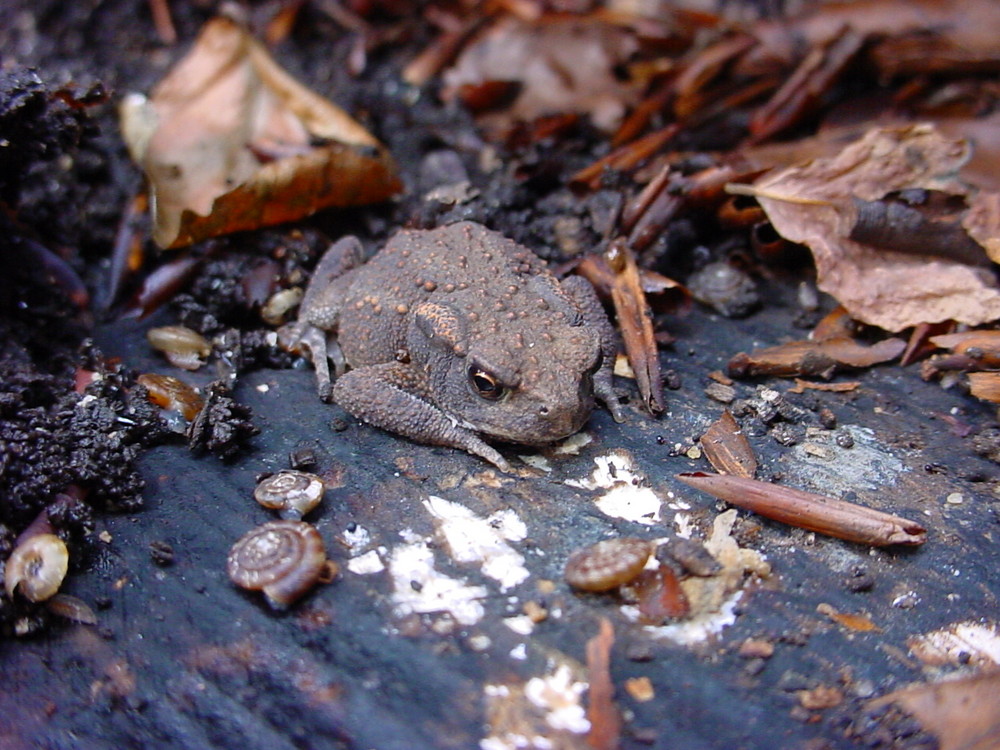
[(485, 384)]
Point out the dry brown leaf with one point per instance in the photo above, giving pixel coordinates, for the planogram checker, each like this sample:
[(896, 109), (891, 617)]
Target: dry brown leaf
[(814, 204), (964, 713), (727, 448), (227, 142), (563, 64), (824, 515)]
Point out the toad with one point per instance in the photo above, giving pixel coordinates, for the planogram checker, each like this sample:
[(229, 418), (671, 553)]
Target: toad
[(457, 334)]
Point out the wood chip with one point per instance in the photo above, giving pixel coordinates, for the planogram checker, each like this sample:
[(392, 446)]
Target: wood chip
[(727, 448), (605, 723)]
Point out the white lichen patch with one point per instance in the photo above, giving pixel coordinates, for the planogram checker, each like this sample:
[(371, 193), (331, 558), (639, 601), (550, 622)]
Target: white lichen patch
[(571, 446), (823, 466), (356, 538), (544, 713), (626, 493), (536, 461), (973, 643), (419, 588), (366, 564), (471, 539), (558, 694)]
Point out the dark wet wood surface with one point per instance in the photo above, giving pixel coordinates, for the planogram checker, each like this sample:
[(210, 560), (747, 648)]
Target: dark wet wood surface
[(182, 659)]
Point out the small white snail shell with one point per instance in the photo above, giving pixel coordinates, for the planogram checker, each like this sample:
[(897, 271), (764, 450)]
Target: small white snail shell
[(37, 567), (292, 493), (181, 346), (283, 559)]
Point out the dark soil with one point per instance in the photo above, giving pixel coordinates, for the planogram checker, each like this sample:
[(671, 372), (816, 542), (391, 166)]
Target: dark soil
[(182, 659)]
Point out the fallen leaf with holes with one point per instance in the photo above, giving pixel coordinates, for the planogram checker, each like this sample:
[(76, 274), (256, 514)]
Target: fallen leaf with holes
[(556, 65), (229, 141), (816, 204), (963, 713)]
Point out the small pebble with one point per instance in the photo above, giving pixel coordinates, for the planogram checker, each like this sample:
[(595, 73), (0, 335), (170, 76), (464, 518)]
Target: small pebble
[(955, 498), (724, 394)]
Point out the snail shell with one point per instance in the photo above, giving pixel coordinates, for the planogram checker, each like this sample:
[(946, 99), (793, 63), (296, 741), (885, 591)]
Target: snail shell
[(284, 559), (608, 564), (726, 288), (37, 567), (181, 346), (293, 493)]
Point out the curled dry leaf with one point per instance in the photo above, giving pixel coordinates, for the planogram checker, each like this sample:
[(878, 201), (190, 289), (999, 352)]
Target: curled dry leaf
[(727, 448), (820, 358), (824, 515), (562, 64), (963, 713), (815, 203), (228, 141)]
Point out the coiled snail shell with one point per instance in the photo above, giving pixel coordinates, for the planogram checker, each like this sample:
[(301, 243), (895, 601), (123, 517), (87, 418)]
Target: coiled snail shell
[(608, 564), (283, 559), (37, 567), (292, 493)]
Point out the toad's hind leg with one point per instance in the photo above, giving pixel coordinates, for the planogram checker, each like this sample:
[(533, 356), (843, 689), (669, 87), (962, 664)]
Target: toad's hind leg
[(389, 396)]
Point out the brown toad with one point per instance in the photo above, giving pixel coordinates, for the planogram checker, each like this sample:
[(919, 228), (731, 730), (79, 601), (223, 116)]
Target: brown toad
[(457, 332)]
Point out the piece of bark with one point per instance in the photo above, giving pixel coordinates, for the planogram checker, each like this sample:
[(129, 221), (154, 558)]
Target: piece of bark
[(985, 385), (819, 358), (605, 723), (727, 448), (635, 320), (659, 596), (801, 386), (919, 344), (824, 515), (804, 91), (982, 346), (625, 157)]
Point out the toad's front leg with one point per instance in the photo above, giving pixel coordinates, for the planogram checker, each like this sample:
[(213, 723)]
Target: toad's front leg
[(392, 396)]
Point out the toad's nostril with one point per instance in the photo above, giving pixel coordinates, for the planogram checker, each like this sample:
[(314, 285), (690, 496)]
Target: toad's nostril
[(543, 411)]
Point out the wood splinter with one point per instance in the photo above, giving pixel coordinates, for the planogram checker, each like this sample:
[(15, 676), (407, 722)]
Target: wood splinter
[(824, 515)]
